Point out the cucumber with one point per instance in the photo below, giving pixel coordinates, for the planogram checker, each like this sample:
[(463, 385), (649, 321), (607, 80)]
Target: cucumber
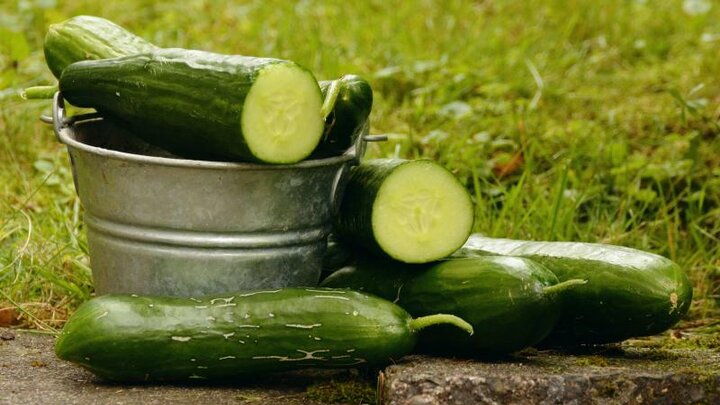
[(349, 117), (629, 293), (412, 211), (135, 338), (204, 105), (512, 303), (86, 37), (337, 255)]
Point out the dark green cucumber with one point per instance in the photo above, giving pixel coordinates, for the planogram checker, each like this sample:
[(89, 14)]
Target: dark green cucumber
[(337, 255), (412, 211), (134, 338), (86, 37), (202, 104), (512, 303), (349, 117), (629, 292)]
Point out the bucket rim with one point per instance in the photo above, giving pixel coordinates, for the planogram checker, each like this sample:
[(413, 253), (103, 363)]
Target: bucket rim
[(68, 137)]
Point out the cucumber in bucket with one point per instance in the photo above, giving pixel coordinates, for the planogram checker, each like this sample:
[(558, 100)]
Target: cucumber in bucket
[(205, 105)]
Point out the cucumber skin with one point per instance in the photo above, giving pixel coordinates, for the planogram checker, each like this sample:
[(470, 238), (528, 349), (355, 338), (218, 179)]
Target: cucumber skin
[(87, 37), (353, 223), (170, 98), (629, 293), (349, 118), (501, 297), (130, 338)]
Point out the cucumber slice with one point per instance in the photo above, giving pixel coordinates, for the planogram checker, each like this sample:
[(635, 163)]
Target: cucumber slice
[(281, 118), (413, 211)]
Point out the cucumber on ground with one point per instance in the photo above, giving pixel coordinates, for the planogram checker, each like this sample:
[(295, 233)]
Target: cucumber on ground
[(414, 211), (629, 292), (136, 338), (87, 37), (512, 303), (203, 104), (349, 117)]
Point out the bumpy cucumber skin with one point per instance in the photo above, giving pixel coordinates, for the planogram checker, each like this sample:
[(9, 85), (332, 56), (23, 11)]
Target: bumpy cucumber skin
[(349, 117), (629, 293), (171, 98), (501, 297), (134, 338), (85, 38)]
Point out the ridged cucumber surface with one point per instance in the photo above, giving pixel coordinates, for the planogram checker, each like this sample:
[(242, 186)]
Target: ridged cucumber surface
[(628, 293), (87, 37), (205, 105), (414, 211), (511, 302), (136, 338)]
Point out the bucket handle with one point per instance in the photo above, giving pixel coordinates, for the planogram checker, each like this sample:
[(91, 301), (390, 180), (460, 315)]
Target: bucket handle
[(59, 119)]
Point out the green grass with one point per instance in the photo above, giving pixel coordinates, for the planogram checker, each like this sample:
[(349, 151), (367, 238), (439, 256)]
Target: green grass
[(568, 120)]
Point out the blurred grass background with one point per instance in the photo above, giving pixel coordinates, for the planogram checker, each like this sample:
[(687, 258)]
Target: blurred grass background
[(567, 119)]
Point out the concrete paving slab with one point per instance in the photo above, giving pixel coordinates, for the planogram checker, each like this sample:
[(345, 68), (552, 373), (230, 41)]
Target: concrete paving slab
[(621, 374), (636, 372)]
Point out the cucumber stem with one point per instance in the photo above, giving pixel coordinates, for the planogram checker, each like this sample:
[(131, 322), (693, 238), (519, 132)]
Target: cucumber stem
[(39, 92), (330, 98), (429, 320), (565, 285)]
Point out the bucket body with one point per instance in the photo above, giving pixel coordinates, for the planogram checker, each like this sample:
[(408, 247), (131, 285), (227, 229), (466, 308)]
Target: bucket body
[(161, 225)]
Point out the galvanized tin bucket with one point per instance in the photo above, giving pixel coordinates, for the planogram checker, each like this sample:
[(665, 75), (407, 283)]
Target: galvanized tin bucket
[(162, 225)]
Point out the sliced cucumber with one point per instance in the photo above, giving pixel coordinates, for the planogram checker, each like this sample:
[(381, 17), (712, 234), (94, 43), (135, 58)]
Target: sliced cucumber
[(204, 105), (281, 111), (413, 211)]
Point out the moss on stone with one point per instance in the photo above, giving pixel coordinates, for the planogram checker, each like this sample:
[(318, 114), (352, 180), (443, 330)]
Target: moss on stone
[(349, 391), (594, 361)]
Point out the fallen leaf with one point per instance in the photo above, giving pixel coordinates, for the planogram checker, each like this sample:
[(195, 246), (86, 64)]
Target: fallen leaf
[(8, 317), (507, 166)]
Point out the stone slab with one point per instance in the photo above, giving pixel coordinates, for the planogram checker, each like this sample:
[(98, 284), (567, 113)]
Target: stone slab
[(620, 374), (637, 372)]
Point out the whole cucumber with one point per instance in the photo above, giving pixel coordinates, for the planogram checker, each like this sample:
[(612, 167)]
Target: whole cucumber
[(628, 293), (136, 338), (511, 302)]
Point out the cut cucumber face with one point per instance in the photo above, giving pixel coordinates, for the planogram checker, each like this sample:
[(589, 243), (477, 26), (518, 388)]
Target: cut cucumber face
[(203, 105), (414, 211), (421, 213), (281, 117)]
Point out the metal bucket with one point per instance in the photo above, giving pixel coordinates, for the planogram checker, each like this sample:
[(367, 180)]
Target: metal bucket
[(161, 225)]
